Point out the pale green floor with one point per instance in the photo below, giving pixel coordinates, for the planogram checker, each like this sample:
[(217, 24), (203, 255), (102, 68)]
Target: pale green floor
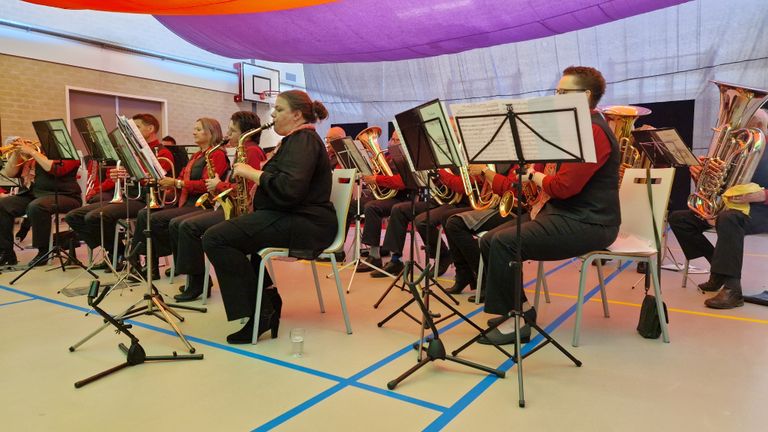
[(713, 376)]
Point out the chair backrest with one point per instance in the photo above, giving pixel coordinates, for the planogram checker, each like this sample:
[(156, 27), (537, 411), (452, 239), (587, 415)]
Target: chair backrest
[(636, 220), (341, 195)]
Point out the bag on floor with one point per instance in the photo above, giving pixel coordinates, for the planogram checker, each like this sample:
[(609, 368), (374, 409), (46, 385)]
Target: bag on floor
[(649, 326)]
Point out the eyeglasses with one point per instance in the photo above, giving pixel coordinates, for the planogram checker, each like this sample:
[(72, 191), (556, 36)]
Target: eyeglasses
[(564, 91)]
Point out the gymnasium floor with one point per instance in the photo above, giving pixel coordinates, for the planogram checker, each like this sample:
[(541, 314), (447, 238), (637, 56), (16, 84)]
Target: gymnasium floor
[(713, 376)]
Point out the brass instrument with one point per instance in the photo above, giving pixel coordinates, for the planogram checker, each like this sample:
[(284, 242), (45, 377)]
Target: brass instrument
[(167, 191), (238, 205), (208, 199), (621, 119), (508, 201), (369, 138), (118, 197), (480, 197), (735, 151), (7, 151), (440, 192)]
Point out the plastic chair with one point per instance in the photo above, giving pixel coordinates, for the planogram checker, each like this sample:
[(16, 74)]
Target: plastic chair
[(636, 236), (341, 193)]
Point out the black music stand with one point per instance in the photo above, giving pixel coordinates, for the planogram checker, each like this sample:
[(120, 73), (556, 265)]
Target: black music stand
[(431, 132), (521, 151), (57, 146)]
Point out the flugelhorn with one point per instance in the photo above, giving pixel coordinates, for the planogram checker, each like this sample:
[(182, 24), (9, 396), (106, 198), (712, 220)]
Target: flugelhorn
[(118, 197)]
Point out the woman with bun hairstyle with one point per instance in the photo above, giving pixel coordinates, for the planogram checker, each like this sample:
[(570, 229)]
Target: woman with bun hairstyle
[(291, 208)]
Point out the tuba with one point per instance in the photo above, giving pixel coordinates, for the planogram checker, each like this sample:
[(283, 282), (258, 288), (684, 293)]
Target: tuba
[(208, 200), (238, 205), (369, 138), (621, 119), (735, 151)]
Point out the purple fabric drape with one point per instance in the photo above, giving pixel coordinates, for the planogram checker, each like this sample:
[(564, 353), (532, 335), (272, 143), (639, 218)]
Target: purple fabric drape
[(378, 30)]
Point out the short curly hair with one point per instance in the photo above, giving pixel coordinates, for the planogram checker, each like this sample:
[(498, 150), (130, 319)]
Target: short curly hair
[(591, 79)]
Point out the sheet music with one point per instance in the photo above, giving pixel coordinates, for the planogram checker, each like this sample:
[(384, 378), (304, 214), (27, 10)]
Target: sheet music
[(557, 127), (133, 135), (358, 153), (439, 131), (675, 146)]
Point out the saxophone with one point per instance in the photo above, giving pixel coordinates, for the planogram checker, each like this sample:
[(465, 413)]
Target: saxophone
[(208, 200), (238, 205)]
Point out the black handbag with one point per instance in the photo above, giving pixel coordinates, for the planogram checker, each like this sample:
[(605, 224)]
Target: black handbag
[(649, 325)]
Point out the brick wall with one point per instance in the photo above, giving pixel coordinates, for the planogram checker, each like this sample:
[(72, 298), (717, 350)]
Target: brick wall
[(34, 90)]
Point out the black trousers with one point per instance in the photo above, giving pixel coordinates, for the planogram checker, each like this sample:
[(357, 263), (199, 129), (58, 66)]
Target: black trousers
[(186, 233), (85, 221), (437, 217), (374, 212), (397, 227), (727, 255), (464, 247), (159, 222), (38, 210), (548, 238), (227, 245)]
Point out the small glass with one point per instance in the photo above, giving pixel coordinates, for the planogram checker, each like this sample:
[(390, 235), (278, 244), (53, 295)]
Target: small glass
[(297, 341)]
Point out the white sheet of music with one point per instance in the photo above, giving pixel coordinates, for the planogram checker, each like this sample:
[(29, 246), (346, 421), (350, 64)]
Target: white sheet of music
[(558, 127), (676, 147), (439, 130)]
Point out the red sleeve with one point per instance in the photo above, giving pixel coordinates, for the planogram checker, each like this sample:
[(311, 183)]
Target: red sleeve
[(766, 196), (219, 161), (166, 164), (571, 177), (453, 181), (392, 182), (503, 183), (64, 167)]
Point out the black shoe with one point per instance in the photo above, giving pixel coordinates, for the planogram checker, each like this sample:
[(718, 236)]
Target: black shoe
[(101, 266), (462, 282), (530, 316), (37, 261), (498, 338), (603, 261), (340, 257), (727, 298), (642, 267), (362, 268), (136, 252), (8, 258), (193, 292), (714, 283), (142, 271), (471, 298), (120, 266), (21, 234), (269, 319), (392, 267), (445, 263)]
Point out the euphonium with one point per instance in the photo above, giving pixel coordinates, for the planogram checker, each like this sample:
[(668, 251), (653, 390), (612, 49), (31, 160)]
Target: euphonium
[(369, 138), (208, 199), (621, 119), (734, 152), (480, 197), (238, 205)]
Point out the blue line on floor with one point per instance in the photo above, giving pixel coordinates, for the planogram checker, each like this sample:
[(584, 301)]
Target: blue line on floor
[(486, 382), (16, 302)]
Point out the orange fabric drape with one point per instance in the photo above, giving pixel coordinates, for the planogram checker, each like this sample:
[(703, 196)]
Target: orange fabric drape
[(182, 7)]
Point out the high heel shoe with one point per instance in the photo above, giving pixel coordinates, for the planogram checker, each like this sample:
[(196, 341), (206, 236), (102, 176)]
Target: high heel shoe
[(269, 319)]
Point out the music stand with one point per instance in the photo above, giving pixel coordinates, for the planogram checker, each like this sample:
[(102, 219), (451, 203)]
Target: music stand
[(57, 146), (429, 130), (523, 132)]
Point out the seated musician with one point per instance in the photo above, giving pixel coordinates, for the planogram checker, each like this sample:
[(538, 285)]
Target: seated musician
[(581, 214), (190, 186), (727, 255), (86, 220), (180, 156), (291, 209), (187, 231), (36, 199)]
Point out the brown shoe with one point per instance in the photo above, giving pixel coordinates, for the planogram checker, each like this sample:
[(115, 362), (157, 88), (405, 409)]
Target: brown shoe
[(727, 298)]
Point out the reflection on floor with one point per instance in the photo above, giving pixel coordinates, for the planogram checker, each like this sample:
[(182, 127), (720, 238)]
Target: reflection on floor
[(712, 376)]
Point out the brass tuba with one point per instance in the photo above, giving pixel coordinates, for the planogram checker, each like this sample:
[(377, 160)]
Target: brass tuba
[(621, 119), (208, 199), (734, 152), (370, 140)]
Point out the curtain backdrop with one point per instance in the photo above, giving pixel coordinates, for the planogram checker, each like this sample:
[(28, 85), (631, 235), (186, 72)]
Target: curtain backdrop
[(670, 54)]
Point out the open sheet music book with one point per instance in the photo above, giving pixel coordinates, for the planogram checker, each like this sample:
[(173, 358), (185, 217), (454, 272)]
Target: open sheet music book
[(664, 146), (134, 138), (551, 128)]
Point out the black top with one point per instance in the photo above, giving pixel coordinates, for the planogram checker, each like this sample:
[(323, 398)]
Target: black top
[(296, 183), (48, 184)]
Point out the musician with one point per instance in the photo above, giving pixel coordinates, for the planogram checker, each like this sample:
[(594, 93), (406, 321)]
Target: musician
[(180, 157), (291, 208), (727, 255), (190, 186), (581, 214), (37, 200), (334, 133), (402, 214), (85, 221), (461, 229), (186, 231), (376, 210)]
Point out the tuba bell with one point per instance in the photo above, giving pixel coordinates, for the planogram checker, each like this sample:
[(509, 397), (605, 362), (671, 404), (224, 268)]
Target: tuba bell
[(621, 119), (735, 151), (370, 140)]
